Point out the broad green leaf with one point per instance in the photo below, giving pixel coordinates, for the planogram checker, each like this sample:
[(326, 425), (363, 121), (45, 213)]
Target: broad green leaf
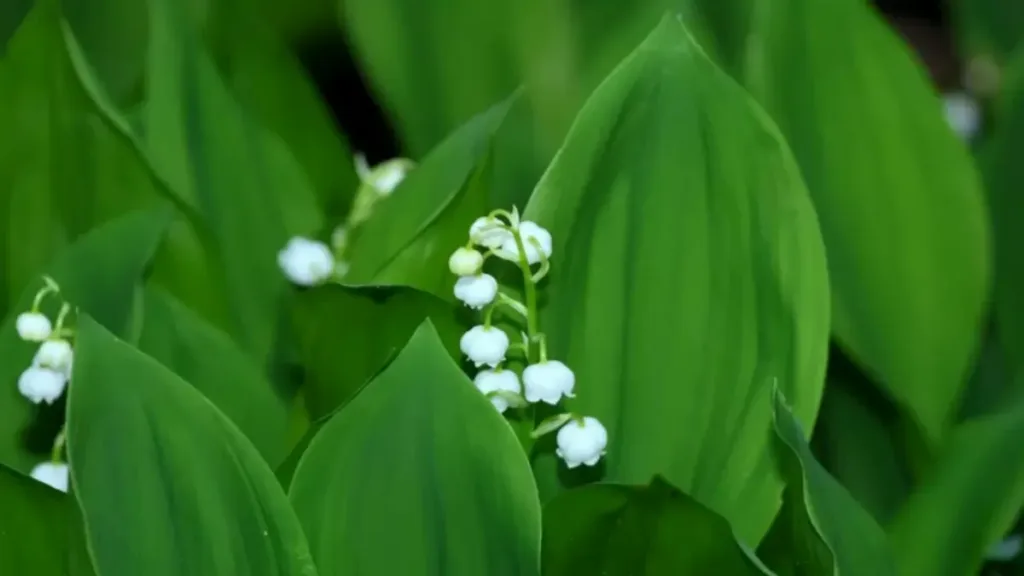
[(346, 335), (208, 359), (619, 530), (167, 484), (40, 530), (967, 501), (113, 35), (822, 529), (249, 190), (270, 83), (63, 169), (443, 486), (988, 28), (687, 274), (412, 233), (12, 13), (857, 440), (999, 162), (99, 274), (899, 201)]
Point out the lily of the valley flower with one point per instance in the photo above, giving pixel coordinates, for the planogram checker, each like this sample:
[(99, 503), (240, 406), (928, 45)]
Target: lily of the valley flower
[(56, 355), (484, 345), (548, 382), (476, 291), (963, 114), (581, 441), (488, 381), (40, 384), (306, 262), (536, 243), (33, 326), (465, 262), (54, 474), (383, 177), (489, 232)]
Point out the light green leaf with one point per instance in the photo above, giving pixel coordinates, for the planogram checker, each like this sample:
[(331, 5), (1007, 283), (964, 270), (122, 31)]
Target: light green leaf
[(249, 190), (345, 336), (618, 530), (443, 486), (413, 232), (687, 273), (899, 201), (208, 359), (40, 530), (167, 484), (822, 529), (967, 502), (99, 274)]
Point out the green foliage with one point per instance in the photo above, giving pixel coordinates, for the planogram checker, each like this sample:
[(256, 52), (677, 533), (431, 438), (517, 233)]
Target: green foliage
[(769, 275), (681, 371)]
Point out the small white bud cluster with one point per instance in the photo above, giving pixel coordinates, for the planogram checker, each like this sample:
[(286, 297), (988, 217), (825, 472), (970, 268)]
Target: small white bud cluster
[(580, 439), (45, 380), (308, 262)]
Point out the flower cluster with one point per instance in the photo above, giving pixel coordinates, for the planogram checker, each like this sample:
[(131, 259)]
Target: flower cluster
[(580, 439), (45, 380), (308, 262)]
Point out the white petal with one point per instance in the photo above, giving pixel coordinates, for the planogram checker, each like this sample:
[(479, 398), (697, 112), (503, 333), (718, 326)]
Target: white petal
[(465, 262), (40, 384), (489, 232), (33, 326), (54, 354), (54, 474), (484, 346), (476, 291), (306, 262)]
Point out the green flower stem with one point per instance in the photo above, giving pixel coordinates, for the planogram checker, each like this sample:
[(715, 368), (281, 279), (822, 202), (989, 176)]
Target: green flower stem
[(65, 309), (58, 445)]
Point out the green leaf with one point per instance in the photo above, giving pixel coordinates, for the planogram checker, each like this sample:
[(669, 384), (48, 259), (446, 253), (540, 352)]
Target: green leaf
[(63, 169), (857, 440), (270, 83), (412, 233), (443, 486), (999, 161), (967, 502), (249, 190), (899, 201), (687, 273), (99, 274), (345, 335), (619, 530), (113, 35), (167, 484), (40, 530), (822, 528), (208, 359)]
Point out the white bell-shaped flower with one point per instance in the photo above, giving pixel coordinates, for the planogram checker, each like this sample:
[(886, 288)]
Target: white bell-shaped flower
[(536, 242), (476, 291), (33, 326), (306, 262), (485, 346), (54, 474), (465, 262), (40, 384), (963, 114), (548, 382), (489, 232), (388, 175), (56, 355), (488, 381), (581, 442)]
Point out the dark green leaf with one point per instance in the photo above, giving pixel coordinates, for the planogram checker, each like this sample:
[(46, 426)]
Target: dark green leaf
[(619, 530), (249, 190), (687, 273), (40, 530), (968, 500), (900, 204), (208, 359), (443, 486), (822, 530), (167, 484), (347, 334), (99, 274)]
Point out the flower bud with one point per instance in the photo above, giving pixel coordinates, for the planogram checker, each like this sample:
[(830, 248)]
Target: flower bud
[(485, 345), (306, 262), (33, 326), (465, 262), (476, 291)]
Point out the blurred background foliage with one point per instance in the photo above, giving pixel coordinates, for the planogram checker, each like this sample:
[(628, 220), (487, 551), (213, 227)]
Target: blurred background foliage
[(316, 80)]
